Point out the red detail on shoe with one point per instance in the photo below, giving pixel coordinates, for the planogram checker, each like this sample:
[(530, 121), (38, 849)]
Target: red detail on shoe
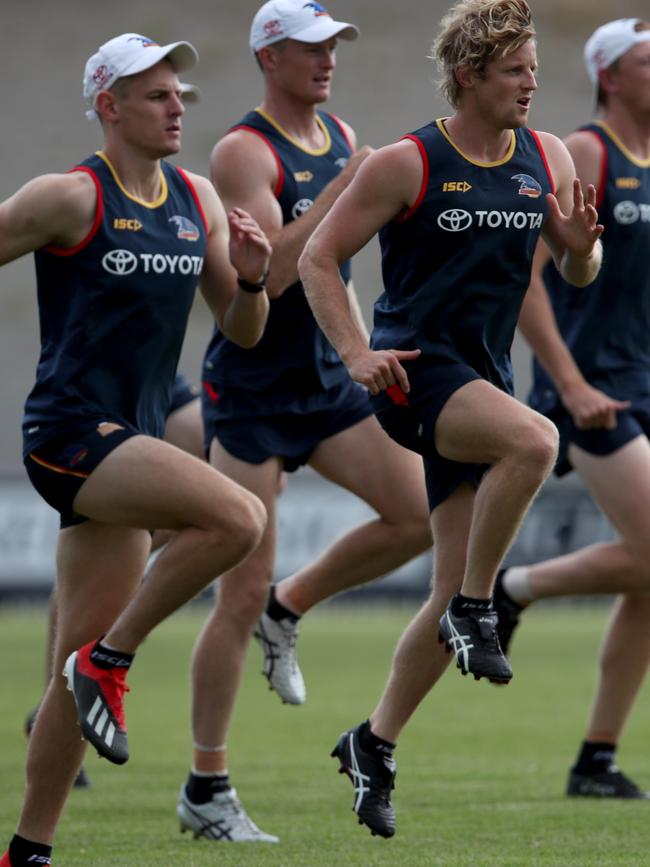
[(396, 394), (4, 861), (111, 681)]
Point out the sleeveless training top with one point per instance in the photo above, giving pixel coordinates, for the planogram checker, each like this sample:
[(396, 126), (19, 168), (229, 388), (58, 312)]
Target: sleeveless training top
[(113, 309), (457, 264), (293, 356), (606, 325)]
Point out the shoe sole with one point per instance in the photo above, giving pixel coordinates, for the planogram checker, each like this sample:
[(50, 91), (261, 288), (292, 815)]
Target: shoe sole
[(495, 680)]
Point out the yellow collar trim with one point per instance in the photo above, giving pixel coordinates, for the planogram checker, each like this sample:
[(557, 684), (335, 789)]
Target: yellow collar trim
[(164, 191), (440, 123), (318, 152), (642, 164)]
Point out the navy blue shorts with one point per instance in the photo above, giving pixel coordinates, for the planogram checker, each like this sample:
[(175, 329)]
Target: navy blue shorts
[(410, 420), (183, 392), (249, 429), (631, 424), (60, 466)]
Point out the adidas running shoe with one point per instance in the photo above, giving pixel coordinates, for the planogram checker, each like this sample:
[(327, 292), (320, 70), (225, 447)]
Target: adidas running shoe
[(222, 818), (473, 639), (277, 638), (99, 696), (611, 783), (373, 778)]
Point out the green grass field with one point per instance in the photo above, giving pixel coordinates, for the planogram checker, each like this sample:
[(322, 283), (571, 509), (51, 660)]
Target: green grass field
[(481, 769)]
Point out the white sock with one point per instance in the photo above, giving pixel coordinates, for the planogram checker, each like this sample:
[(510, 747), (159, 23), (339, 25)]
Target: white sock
[(516, 583)]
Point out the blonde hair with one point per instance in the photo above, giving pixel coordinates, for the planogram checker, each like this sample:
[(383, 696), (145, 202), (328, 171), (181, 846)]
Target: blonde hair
[(473, 32)]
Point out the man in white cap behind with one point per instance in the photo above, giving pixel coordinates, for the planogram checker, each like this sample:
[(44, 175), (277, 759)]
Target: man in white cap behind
[(120, 243), (592, 378), (289, 401)]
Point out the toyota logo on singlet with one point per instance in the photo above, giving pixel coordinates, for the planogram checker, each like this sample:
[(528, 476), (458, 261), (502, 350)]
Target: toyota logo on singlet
[(626, 213), (455, 220), (301, 207), (120, 262)]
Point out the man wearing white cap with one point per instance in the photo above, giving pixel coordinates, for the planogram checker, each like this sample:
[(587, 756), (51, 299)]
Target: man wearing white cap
[(289, 401), (120, 243), (592, 377)]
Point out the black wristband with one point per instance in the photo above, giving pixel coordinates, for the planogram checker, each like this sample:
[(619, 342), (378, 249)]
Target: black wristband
[(253, 288)]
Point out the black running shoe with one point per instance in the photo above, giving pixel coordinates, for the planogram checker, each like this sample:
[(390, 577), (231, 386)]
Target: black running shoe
[(611, 783), (372, 778), (82, 780), (507, 610), (474, 640), (99, 696)]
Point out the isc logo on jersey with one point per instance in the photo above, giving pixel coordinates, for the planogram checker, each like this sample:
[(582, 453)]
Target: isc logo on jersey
[(458, 220), (121, 263)]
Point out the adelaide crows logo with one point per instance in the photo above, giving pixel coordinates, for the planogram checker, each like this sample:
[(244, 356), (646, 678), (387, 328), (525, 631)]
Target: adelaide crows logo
[(528, 186), (185, 229), (318, 9)]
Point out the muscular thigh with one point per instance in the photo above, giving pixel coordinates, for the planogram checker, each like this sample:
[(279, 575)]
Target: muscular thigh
[(366, 461), (148, 483), (620, 484)]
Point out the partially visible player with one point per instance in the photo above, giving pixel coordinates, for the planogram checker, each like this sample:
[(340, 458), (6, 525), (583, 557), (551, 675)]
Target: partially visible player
[(120, 244), (288, 402), (592, 378), (459, 206)]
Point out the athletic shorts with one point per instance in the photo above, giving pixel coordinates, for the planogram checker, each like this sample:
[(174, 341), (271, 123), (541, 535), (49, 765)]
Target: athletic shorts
[(249, 430), (60, 466), (631, 423), (410, 420), (183, 392)]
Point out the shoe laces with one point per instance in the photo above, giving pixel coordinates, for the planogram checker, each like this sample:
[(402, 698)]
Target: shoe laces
[(114, 687)]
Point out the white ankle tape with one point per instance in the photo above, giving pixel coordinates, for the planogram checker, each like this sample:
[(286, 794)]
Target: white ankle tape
[(204, 748)]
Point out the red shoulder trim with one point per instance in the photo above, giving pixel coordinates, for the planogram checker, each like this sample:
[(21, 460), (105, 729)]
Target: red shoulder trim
[(54, 249), (195, 196), (280, 181), (406, 215), (600, 192), (344, 132), (544, 160)]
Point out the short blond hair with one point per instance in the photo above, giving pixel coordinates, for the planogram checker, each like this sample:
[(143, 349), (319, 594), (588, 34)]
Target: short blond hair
[(473, 32)]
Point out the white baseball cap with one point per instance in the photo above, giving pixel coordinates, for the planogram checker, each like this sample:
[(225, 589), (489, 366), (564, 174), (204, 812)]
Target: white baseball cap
[(296, 19), (610, 42), (129, 54)]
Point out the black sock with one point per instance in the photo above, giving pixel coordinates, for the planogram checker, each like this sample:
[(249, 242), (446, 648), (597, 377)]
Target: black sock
[(24, 853), (201, 789), (106, 657), (595, 757), (370, 742), (462, 604), (277, 611)]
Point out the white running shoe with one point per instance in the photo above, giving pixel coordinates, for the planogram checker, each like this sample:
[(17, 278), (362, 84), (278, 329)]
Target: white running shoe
[(277, 638), (223, 818)]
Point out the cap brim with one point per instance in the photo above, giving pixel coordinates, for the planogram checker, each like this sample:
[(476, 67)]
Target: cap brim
[(324, 29), (181, 55), (189, 92)]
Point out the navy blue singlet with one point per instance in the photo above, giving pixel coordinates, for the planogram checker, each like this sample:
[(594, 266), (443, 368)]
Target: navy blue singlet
[(456, 266), (606, 325), (113, 309), (293, 357)]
